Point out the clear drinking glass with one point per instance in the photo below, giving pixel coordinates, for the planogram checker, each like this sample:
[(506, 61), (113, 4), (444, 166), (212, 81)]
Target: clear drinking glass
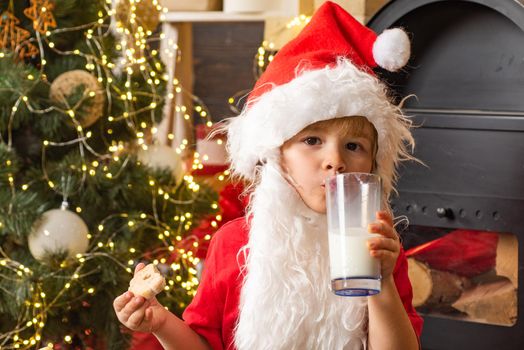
[(352, 202)]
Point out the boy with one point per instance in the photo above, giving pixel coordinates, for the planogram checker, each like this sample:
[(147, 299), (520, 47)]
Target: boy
[(316, 111)]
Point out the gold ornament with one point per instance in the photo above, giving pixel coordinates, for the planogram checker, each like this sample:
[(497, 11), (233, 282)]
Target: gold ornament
[(146, 14), (68, 83), (41, 14), (15, 38)]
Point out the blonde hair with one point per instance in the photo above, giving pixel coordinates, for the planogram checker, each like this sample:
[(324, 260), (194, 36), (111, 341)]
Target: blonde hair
[(356, 126)]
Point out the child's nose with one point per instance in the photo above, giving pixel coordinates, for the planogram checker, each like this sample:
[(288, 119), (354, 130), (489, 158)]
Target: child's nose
[(334, 162)]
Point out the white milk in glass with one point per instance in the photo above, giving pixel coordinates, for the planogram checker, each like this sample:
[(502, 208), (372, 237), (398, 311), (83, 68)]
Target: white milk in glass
[(349, 255), (352, 201)]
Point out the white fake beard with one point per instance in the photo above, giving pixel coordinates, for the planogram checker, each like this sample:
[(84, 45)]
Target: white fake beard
[(286, 301)]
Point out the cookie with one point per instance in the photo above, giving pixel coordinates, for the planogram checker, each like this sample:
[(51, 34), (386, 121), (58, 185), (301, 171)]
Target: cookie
[(147, 282)]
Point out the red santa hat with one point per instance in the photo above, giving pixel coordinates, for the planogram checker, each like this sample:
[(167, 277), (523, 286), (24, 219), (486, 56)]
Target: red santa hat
[(324, 73)]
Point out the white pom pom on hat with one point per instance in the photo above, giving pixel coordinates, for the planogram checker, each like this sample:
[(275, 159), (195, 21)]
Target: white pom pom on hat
[(391, 49)]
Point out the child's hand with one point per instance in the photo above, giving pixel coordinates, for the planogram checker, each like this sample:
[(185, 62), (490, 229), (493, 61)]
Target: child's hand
[(137, 313), (387, 247)]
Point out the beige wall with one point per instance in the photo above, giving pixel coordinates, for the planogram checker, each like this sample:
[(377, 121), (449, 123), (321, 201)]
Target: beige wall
[(362, 10)]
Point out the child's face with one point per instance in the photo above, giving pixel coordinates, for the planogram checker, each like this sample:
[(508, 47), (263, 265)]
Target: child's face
[(323, 149)]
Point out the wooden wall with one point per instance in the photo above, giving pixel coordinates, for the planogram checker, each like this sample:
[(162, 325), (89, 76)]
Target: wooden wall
[(223, 56)]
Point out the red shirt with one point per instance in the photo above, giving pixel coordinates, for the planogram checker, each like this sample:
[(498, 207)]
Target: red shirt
[(213, 313)]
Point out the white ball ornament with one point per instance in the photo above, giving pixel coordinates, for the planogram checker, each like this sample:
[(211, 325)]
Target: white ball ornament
[(58, 230), (162, 157)]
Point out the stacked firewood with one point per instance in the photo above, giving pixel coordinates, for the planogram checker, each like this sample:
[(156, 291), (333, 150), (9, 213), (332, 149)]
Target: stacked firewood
[(469, 274)]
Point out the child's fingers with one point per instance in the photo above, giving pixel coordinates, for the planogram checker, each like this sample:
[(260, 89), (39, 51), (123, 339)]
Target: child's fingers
[(383, 228), (383, 254), (385, 216), (379, 243), (121, 301), (139, 267), (136, 318), (148, 316), (130, 308)]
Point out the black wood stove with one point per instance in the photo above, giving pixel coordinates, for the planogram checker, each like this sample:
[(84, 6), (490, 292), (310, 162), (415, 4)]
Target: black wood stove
[(467, 72)]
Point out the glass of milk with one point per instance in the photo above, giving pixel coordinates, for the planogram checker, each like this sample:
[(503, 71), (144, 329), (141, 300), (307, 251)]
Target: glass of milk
[(352, 202)]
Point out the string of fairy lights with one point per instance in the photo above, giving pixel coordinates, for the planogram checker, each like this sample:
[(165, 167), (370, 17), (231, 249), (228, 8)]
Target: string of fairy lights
[(134, 43)]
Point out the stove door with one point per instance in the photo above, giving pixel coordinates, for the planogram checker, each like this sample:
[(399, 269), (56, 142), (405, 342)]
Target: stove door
[(467, 72)]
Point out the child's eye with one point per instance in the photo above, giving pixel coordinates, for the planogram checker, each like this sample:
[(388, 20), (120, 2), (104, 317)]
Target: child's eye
[(312, 141), (352, 146)]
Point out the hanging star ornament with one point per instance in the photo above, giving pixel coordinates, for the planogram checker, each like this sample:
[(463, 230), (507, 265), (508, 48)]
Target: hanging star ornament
[(41, 13), (12, 37)]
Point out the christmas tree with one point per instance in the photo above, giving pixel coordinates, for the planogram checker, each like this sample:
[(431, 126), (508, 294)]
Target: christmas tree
[(85, 193)]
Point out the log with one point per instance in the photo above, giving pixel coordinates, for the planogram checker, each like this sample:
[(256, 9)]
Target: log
[(493, 303), (507, 257), (434, 288)]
